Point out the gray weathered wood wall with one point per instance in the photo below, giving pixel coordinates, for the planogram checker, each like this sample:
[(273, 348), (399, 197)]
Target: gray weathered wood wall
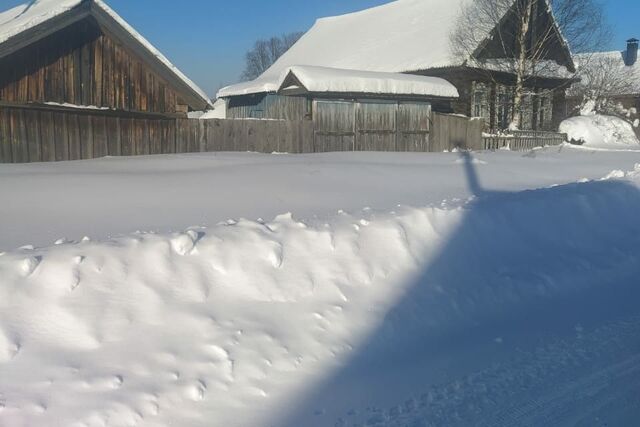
[(43, 134), (523, 140)]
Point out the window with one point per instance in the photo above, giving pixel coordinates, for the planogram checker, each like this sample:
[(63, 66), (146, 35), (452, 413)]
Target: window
[(504, 106), (480, 101), (545, 110), (526, 112)]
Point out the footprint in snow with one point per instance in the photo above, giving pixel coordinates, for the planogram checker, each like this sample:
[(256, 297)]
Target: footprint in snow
[(197, 391), (28, 265), (183, 244)]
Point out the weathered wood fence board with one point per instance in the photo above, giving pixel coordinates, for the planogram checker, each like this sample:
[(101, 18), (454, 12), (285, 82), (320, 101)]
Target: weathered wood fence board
[(523, 140), (39, 134)]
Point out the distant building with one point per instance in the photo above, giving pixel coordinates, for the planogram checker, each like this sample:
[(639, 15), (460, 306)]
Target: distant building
[(614, 75), (405, 37)]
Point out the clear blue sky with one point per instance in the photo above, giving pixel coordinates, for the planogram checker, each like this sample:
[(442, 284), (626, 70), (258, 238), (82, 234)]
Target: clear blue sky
[(207, 39)]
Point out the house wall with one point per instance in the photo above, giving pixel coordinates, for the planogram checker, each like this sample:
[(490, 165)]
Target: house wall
[(269, 106), (83, 65), (466, 81)]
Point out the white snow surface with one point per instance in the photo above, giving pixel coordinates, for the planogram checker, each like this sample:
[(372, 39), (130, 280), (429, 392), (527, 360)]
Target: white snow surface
[(392, 38), (23, 17), (505, 296), (323, 79), (600, 131), (107, 197), (613, 62)]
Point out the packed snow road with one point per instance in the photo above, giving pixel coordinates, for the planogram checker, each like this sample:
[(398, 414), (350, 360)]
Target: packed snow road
[(508, 298)]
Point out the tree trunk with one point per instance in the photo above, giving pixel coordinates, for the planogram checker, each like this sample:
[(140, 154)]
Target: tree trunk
[(521, 66)]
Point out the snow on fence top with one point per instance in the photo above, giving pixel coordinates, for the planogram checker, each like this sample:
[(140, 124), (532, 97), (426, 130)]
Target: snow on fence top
[(29, 15), (323, 79)]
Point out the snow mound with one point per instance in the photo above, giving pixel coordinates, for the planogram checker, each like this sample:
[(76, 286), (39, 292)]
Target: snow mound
[(231, 324), (598, 131)]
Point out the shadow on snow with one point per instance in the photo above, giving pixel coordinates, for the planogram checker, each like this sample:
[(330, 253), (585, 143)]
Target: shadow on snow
[(529, 305)]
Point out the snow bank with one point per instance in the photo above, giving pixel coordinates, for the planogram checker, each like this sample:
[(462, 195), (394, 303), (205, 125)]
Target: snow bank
[(598, 131), (240, 324)]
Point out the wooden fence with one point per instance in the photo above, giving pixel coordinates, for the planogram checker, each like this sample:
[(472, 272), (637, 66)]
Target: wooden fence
[(45, 134), (523, 140)]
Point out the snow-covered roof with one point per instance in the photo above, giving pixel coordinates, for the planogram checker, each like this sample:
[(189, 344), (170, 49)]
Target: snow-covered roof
[(333, 80), (19, 19), (611, 69), (404, 35), (397, 37)]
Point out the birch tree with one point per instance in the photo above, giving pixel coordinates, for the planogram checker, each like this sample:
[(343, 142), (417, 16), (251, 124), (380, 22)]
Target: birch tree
[(526, 46)]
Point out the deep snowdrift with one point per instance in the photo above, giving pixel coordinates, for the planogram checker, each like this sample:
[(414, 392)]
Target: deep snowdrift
[(598, 131), (514, 308)]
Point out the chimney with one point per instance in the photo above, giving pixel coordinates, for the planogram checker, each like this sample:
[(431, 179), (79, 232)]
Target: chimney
[(631, 56)]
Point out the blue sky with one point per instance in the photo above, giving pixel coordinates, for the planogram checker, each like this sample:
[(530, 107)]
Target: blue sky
[(207, 39)]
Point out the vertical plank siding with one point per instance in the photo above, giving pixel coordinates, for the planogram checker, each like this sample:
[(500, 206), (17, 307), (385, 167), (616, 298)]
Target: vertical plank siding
[(83, 65), (523, 140), (40, 134)]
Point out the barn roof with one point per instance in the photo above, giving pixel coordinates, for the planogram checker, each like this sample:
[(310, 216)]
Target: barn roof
[(401, 36), (30, 22), (307, 78)]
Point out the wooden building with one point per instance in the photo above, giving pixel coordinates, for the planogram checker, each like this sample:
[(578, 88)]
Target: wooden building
[(65, 61), (413, 37), (350, 109)]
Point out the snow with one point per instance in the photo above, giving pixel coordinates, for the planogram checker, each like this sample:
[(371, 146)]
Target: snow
[(80, 107), (219, 111), (500, 296), (36, 12), (593, 65), (25, 16), (170, 193), (323, 79), (396, 37), (599, 131), (391, 38)]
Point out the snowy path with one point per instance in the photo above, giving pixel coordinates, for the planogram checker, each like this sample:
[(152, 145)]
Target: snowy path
[(509, 308)]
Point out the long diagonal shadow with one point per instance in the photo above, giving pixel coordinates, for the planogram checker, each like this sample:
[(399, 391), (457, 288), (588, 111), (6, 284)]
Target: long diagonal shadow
[(524, 274)]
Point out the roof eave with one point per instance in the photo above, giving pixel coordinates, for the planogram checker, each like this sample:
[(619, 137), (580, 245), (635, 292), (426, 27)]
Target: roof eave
[(191, 97), (45, 29)]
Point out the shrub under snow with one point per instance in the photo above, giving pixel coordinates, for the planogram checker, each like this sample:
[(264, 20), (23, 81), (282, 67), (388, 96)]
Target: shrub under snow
[(598, 131)]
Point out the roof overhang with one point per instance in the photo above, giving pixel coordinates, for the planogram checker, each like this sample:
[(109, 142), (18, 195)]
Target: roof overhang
[(300, 80), (121, 31)]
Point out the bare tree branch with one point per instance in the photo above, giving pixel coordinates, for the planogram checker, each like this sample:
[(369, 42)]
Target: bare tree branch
[(527, 40), (266, 52)]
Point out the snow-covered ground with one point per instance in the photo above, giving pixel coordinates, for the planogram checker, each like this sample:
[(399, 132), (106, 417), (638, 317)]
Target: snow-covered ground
[(113, 196), (502, 291)]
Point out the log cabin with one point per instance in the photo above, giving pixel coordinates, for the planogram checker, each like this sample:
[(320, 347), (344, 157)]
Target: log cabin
[(414, 37), (68, 61)]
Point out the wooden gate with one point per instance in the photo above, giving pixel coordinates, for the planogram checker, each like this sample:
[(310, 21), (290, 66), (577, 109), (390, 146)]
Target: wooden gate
[(334, 126), (376, 126), (414, 127)]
